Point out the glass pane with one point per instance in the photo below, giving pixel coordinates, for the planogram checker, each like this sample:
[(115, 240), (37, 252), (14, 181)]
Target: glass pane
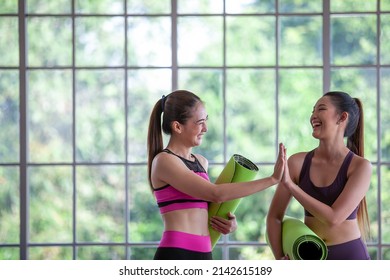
[(49, 41), (386, 254), (299, 91), (385, 5), (9, 116), (207, 84), (253, 36), (195, 45), (249, 6), (9, 253), (50, 205), (252, 211), (9, 201), (361, 83), (100, 41), (8, 6), (49, 7), (250, 253), (149, 7), (145, 222), (353, 40), (50, 253), (385, 114), (101, 253), (100, 129), (301, 40), (99, 6), (299, 6), (141, 253), (385, 196), (50, 116), (353, 6), (385, 39), (100, 205), (372, 206), (145, 88), (9, 43), (200, 6), (144, 34), (373, 252), (251, 114)]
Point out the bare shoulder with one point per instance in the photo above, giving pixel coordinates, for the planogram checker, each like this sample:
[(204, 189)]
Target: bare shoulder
[(295, 163), (163, 159), (360, 164), (164, 167), (160, 157), (297, 159)]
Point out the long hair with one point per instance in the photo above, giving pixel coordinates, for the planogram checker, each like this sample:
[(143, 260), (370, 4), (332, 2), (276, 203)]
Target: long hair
[(355, 142), (176, 106)]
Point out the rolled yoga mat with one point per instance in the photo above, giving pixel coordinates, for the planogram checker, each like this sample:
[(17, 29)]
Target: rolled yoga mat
[(238, 169), (300, 242)]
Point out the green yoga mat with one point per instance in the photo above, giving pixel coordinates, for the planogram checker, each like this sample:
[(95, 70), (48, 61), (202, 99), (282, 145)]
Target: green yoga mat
[(300, 242), (238, 169)]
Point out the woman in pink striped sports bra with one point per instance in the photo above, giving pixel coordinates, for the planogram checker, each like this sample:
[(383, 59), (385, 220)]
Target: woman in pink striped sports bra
[(180, 183)]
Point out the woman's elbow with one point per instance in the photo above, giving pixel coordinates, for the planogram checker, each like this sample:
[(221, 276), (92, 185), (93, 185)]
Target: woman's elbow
[(275, 214), (222, 194), (274, 220), (333, 219), (217, 195)]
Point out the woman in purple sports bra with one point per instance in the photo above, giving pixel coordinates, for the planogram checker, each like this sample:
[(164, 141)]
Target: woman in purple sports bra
[(330, 182), (179, 180)]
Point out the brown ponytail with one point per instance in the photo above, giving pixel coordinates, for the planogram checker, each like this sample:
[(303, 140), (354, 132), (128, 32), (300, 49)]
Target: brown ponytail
[(356, 140), (155, 138)]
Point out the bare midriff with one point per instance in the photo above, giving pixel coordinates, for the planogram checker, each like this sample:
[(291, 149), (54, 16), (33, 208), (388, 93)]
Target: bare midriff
[(194, 221), (337, 234)]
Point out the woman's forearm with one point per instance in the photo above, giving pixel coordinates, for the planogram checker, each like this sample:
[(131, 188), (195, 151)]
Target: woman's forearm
[(274, 234)]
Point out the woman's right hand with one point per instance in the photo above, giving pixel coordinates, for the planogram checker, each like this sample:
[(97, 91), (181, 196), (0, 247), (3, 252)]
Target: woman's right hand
[(280, 164)]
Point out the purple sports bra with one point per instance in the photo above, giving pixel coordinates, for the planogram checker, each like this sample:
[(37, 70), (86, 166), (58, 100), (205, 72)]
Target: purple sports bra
[(328, 194), (170, 199)]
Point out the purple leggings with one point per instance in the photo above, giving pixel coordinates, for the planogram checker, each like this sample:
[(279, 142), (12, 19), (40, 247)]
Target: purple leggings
[(351, 250)]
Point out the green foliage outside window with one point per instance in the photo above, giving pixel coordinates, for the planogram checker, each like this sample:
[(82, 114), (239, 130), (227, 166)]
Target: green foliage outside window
[(90, 89)]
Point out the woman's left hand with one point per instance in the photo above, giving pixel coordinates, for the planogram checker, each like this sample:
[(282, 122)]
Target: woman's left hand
[(286, 179), (222, 225)]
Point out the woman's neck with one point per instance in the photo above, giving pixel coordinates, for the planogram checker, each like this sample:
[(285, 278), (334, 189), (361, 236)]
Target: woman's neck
[(180, 150), (331, 151)]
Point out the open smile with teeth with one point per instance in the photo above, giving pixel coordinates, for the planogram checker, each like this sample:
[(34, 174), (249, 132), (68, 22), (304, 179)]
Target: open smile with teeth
[(316, 124)]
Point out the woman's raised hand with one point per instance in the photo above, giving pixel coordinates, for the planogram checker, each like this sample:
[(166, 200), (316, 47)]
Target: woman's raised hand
[(280, 163)]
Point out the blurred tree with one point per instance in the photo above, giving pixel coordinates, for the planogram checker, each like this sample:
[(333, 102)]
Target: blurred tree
[(256, 94)]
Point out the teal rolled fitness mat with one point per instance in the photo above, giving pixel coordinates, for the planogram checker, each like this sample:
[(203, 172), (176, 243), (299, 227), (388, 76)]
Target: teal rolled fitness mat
[(238, 169), (300, 242)]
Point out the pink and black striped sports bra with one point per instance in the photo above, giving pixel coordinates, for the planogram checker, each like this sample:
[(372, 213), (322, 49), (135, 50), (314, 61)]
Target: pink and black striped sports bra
[(170, 199)]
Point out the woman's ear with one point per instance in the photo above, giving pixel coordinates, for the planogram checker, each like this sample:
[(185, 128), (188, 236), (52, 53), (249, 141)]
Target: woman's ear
[(343, 117), (176, 127)]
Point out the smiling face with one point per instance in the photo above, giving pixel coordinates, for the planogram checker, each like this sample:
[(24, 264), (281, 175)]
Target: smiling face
[(196, 126), (324, 119)]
